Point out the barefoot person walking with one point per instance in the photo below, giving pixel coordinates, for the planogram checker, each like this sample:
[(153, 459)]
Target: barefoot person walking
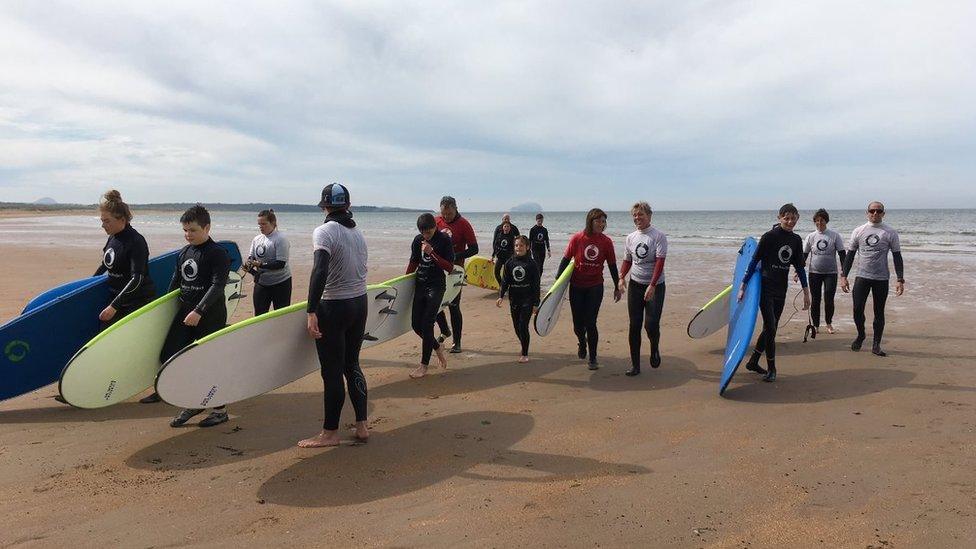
[(432, 257)]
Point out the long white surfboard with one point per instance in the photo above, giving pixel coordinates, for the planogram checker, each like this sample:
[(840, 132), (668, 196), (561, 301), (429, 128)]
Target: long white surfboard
[(712, 317), (550, 306)]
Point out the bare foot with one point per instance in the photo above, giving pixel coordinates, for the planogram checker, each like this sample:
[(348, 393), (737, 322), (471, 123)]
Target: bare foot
[(420, 372), (321, 440), (441, 357), (523, 359), (830, 329), (362, 432)]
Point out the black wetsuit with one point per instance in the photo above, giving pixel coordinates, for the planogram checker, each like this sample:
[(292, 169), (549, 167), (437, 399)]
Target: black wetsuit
[(201, 274), (539, 238), (502, 250), (125, 258), (777, 250), (521, 281), (431, 283)]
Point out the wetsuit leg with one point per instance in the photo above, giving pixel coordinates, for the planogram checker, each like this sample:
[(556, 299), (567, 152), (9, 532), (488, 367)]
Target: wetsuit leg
[(456, 320), (342, 323), (594, 298), (521, 316), (635, 310), (859, 295), (180, 335), (816, 293), (262, 297), (426, 303), (577, 305), (770, 307), (830, 289), (499, 265), (539, 256), (281, 294), (652, 319), (880, 290)]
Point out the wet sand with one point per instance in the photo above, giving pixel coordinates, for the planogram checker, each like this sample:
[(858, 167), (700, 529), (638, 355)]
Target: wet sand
[(845, 449)]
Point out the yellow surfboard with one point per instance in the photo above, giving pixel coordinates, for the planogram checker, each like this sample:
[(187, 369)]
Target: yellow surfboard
[(480, 271)]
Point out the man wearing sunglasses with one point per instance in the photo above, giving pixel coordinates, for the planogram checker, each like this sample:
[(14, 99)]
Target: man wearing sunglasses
[(873, 240)]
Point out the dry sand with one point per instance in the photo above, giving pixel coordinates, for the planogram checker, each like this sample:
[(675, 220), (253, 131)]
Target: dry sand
[(844, 450)]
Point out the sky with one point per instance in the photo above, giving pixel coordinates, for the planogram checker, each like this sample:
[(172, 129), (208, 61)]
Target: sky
[(689, 105)]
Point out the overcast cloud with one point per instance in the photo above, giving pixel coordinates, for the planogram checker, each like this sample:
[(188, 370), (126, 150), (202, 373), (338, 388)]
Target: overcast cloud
[(717, 105)]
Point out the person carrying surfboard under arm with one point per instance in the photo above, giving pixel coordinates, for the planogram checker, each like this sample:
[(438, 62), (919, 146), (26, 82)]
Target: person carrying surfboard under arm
[(268, 264), (201, 274), (647, 249), (451, 223), (521, 281), (779, 248), (589, 249), (337, 311), (432, 258), (539, 237), (502, 248), (873, 240)]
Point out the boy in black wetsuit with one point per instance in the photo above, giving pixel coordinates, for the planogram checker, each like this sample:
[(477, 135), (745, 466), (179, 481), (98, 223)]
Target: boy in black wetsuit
[(539, 239), (521, 280), (201, 274), (431, 257), (778, 249), (503, 246)]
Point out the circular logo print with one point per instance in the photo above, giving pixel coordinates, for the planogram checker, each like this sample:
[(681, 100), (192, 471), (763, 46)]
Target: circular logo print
[(518, 273), (539, 237), (109, 258), (425, 257), (872, 240), (591, 252), (16, 350), (821, 245), (503, 244), (190, 270), (260, 250), (785, 254), (641, 250)]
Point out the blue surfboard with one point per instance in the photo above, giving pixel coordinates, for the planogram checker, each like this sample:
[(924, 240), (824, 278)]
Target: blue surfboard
[(58, 291), (742, 314), (34, 347)]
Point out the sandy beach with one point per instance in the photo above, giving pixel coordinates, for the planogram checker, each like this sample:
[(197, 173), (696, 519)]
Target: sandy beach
[(844, 450)]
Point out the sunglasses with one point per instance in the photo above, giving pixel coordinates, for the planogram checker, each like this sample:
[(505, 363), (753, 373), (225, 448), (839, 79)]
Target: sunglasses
[(876, 211)]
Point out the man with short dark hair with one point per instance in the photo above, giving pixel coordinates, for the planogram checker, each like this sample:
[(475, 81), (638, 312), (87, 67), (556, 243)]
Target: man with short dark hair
[(451, 223)]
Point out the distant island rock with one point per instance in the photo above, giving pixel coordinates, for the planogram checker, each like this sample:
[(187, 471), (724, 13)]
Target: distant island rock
[(527, 207), (46, 201)]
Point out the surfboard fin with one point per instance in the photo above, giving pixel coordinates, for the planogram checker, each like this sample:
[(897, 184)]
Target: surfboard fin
[(388, 311), (368, 337), (385, 295)]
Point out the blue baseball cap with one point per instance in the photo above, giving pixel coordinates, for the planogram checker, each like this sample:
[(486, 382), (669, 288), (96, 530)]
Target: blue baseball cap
[(334, 196)]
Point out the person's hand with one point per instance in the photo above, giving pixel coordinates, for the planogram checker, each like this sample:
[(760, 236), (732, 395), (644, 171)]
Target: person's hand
[(741, 293), (806, 299), (796, 277), (498, 302), (192, 319), (622, 285), (535, 309), (649, 294), (844, 285), (616, 295), (312, 326), (426, 247), (899, 287), (108, 313)]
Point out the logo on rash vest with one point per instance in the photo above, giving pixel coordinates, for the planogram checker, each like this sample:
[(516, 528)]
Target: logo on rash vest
[(785, 254), (539, 237), (518, 273), (503, 243), (109, 258), (641, 250), (190, 270), (822, 245), (872, 240), (425, 257), (260, 250), (16, 350), (591, 252)]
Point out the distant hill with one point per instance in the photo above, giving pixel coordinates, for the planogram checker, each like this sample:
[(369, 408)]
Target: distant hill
[(53, 205), (527, 207)]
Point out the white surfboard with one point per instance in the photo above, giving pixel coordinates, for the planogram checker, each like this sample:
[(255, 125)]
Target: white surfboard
[(122, 360), (266, 352), (402, 306), (550, 306), (712, 317)]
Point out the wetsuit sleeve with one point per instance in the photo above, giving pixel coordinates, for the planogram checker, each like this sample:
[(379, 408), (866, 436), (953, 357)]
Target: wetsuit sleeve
[(444, 264), (562, 265), (658, 270), (613, 274), (316, 283), (415, 250), (411, 267), (100, 270), (536, 284), (494, 245), (625, 267), (546, 233), (215, 293), (470, 240), (760, 249), (899, 266), (506, 276), (849, 262), (174, 283), (138, 257), (612, 262), (839, 246), (445, 256), (842, 255)]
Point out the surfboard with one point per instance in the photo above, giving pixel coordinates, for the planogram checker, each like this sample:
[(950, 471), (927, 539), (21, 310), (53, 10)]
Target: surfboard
[(123, 359), (263, 353), (480, 271), (742, 314), (34, 347), (550, 306), (712, 317), (59, 291)]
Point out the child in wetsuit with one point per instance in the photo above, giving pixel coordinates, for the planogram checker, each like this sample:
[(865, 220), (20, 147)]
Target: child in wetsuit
[(201, 274), (521, 280)]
